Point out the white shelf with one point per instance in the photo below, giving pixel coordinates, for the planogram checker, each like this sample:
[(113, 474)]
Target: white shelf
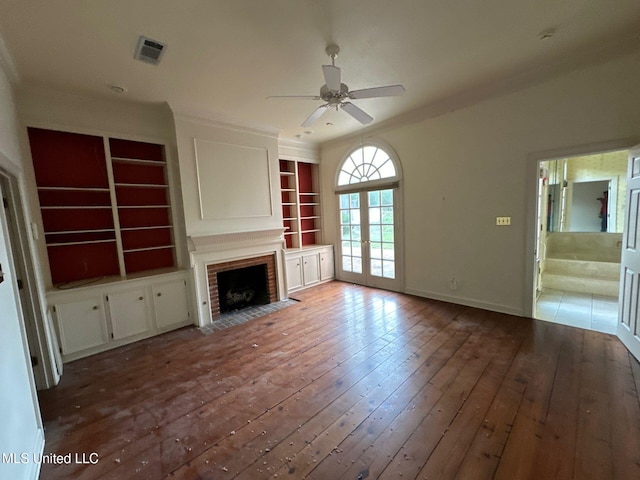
[(73, 189), (146, 249), (88, 242), (142, 206), (287, 189), (77, 207), (154, 227), (138, 161), (289, 219), (308, 193), (310, 218), (65, 232), (287, 174), (310, 231), (288, 204), (141, 185)]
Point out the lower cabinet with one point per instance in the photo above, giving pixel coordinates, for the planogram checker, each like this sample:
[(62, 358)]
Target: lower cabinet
[(327, 269), (294, 273), (100, 317), (308, 266), (129, 313), (171, 304), (82, 324)]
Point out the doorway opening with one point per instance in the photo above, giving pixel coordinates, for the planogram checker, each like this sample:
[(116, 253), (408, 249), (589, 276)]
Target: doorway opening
[(580, 222)]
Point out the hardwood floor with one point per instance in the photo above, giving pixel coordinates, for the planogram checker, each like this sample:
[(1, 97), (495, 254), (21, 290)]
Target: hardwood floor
[(354, 383)]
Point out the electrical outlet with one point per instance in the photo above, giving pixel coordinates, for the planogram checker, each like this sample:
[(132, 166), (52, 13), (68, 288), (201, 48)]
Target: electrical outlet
[(503, 221)]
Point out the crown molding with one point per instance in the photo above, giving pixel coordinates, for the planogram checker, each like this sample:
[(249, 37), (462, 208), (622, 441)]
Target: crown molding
[(292, 149), (224, 122)]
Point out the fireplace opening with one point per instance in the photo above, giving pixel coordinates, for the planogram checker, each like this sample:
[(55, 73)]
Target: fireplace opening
[(243, 287)]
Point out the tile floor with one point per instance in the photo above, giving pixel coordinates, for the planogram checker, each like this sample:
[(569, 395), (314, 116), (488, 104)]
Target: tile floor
[(583, 310)]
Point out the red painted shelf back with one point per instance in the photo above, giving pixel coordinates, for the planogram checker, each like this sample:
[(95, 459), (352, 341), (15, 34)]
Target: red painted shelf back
[(67, 159), (138, 150)]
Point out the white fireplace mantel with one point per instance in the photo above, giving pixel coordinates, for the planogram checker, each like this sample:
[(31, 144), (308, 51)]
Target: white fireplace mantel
[(210, 249)]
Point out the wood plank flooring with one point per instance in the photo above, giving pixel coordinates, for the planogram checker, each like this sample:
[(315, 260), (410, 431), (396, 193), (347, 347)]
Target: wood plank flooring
[(354, 383)]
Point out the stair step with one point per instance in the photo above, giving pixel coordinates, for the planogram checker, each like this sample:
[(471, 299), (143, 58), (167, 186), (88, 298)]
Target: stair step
[(578, 268), (580, 284)]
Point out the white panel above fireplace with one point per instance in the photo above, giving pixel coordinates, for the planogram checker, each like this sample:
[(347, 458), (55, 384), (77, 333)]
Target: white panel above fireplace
[(234, 181)]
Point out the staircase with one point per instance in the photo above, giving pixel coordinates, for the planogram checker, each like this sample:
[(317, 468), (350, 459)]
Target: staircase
[(583, 262), (600, 278)]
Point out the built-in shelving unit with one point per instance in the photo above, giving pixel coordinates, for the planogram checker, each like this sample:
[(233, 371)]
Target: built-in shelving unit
[(140, 181), (105, 205), (300, 203)]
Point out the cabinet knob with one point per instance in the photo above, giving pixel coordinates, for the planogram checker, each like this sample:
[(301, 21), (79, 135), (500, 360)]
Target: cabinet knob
[(140, 298), (159, 294), (95, 307)]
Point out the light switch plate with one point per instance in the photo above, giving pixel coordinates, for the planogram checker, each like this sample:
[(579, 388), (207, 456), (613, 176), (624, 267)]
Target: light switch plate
[(503, 221)]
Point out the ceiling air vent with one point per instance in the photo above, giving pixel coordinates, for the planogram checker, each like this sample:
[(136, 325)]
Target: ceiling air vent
[(149, 50)]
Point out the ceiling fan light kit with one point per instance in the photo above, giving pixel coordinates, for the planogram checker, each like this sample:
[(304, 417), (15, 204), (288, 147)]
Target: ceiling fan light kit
[(335, 93)]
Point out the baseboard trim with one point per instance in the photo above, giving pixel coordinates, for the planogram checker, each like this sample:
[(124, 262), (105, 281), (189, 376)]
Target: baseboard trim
[(467, 302)]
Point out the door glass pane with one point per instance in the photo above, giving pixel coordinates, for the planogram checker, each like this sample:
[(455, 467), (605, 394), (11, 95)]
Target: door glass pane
[(350, 233), (381, 234)]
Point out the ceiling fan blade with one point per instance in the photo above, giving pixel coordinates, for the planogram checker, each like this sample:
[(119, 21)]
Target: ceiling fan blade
[(388, 91), (357, 113), (315, 115), (303, 97), (331, 77)]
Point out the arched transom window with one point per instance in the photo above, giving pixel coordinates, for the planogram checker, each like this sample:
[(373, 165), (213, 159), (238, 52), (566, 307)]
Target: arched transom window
[(366, 164), (368, 189)]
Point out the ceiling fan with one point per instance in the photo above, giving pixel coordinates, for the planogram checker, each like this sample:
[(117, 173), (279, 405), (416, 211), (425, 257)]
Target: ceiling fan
[(337, 94)]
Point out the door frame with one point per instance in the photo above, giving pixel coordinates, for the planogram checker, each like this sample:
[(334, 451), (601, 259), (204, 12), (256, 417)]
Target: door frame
[(533, 159), (395, 183), (41, 339), (612, 186)]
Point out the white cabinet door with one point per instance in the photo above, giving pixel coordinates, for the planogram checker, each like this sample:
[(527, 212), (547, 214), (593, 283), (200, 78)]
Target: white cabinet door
[(294, 273), (129, 313), (327, 270), (82, 324), (170, 303), (311, 268)]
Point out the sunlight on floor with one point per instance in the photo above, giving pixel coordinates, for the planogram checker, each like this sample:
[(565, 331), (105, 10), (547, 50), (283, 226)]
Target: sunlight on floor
[(583, 310)]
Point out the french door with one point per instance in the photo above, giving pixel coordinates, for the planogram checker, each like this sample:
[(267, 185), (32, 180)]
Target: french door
[(369, 253)]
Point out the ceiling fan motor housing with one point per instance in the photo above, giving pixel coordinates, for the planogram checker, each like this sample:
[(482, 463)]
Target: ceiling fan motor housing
[(333, 97)]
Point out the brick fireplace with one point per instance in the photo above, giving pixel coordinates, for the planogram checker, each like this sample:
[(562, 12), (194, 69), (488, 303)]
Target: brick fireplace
[(222, 252), (268, 261)]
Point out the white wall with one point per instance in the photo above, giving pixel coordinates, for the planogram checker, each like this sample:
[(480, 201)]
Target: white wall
[(464, 168), (219, 162), (21, 427)]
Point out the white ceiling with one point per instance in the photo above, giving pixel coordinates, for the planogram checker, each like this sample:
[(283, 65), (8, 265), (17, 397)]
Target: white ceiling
[(224, 57)]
